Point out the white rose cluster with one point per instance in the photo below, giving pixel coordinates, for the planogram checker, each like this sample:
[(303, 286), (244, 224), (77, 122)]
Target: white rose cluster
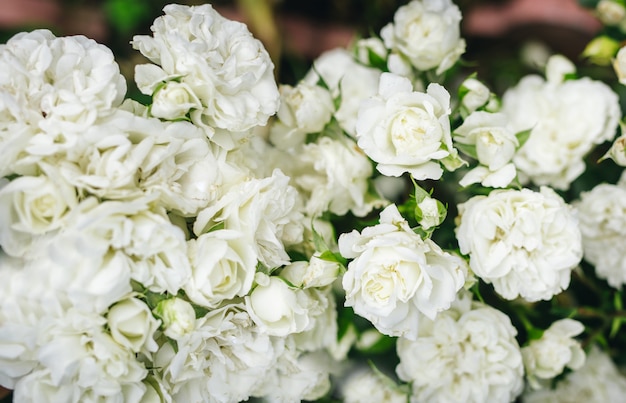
[(396, 277), (466, 354), (52, 89), (566, 118), (525, 243), (223, 76), (427, 34), (130, 228), (603, 227)]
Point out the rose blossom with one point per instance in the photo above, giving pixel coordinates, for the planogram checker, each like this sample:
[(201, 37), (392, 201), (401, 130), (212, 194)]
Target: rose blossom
[(223, 263), (277, 308), (547, 357), (567, 119), (395, 275), (407, 131), (603, 227), (208, 366), (526, 243), (218, 61), (495, 146), (427, 33), (466, 354), (305, 108), (598, 380), (347, 80), (365, 385), (31, 206), (132, 325), (52, 89), (266, 210), (333, 175)]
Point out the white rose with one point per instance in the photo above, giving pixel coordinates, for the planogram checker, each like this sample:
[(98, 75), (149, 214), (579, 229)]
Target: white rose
[(31, 206), (567, 119), (80, 359), (603, 227), (406, 131), (334, 176), (314, 273), (173, 101), (526, 243), (599, 380), (364, 385), (495, 142), (132, 325), (473, 95), (264, 209), (495, 146), (305, 106), (467, 354), (223, 263), (276, 308), (178, 317), (226, 69), (547, 357), (426, 32), (395, 275), (347, 79)]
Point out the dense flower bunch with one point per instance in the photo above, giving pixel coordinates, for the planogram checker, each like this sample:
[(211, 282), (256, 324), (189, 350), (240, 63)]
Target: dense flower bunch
[(235, 238)]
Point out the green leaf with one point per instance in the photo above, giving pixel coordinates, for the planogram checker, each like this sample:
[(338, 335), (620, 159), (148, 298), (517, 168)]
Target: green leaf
[(522, 137), (467, 149)]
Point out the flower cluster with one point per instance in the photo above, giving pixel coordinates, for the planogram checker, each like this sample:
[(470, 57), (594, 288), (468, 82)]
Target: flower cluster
[(233, 238)]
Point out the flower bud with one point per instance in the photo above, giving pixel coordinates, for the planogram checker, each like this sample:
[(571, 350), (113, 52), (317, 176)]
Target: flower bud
[(601, 50), (610, 12), (132, 325), (178, 316)]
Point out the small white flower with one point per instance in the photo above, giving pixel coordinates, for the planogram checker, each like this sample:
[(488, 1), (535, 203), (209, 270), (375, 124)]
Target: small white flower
[(174, 100), (598, 380), (333, 175), (548, 356), (526, 243), (427, 33), (223, 263), (495, 145), (603, 226), (31, 206), (132, 325), (277, 308), (395, 275), (567, 119), (305, 108), (406, 131), (466, 354), (363, 385), (348, 80), (314, 273)]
